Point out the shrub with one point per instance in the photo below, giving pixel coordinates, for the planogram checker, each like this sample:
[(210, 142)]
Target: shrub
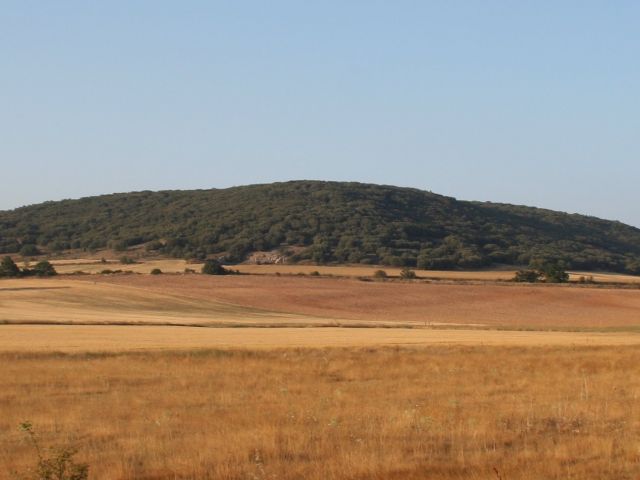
[(588, 279), (527, 276), (379, 274), (407, 274), (315, 273), (156, 271), (54, 463), (127, 260)]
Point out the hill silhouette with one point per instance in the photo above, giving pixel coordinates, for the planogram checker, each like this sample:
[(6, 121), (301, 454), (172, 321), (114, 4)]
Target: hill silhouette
[(324, 222)]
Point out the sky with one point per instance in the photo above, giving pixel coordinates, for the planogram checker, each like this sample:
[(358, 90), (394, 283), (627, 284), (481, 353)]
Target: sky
[(527, 102)]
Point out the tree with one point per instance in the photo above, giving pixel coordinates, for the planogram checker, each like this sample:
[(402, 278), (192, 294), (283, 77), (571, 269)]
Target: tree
[(44, 269), (554, 273), (213, 267), (549, 272), (8, 268)]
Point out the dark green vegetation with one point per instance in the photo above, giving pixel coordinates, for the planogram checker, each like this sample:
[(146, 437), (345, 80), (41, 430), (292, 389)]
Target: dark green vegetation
[(544, 272), (213, 267), (335, 222), (9, 269)]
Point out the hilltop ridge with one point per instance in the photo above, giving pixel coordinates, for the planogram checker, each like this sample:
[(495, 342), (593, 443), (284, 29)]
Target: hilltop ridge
[(323, 222)]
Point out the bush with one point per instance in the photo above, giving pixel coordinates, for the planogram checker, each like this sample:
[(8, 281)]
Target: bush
[(379, 274), (407, 274), (127, 260), (54, 463), (527, 276), (315, 273), (156, 271)]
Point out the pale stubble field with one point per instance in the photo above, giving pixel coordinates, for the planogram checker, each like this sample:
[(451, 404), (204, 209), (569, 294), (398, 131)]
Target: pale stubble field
[(456, 384)]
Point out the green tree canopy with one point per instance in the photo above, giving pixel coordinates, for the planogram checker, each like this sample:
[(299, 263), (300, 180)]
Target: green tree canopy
[(8, 268), (325, 222), (44, 269)]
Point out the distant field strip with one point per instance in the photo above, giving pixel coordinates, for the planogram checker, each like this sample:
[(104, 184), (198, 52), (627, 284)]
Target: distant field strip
[(106, 338), (60, 301), (178, 266), (505, 305)]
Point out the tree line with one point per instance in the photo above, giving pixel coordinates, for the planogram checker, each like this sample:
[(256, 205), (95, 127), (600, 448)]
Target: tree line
[(9, 269)]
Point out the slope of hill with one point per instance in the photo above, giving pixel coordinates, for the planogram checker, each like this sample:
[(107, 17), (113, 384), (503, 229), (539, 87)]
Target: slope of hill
[(332, 221)]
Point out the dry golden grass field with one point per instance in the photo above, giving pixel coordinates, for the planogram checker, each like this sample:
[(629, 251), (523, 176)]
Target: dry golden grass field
[(439, 412), (297, 377), (118, 338)]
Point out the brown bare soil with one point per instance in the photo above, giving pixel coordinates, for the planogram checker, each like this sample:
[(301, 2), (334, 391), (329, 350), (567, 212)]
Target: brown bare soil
[(437, 413), (508, 305)]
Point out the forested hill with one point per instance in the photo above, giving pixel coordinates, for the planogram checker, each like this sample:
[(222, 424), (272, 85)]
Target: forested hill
[(333, 221)]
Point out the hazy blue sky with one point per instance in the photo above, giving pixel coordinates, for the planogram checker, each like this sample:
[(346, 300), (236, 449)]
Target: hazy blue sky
[(529, 102)]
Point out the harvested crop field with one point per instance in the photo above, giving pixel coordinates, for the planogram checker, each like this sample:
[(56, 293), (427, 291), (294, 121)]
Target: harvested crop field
[(68, 301), (438, 413), (116, 338), (129, 312), (506, 305)]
